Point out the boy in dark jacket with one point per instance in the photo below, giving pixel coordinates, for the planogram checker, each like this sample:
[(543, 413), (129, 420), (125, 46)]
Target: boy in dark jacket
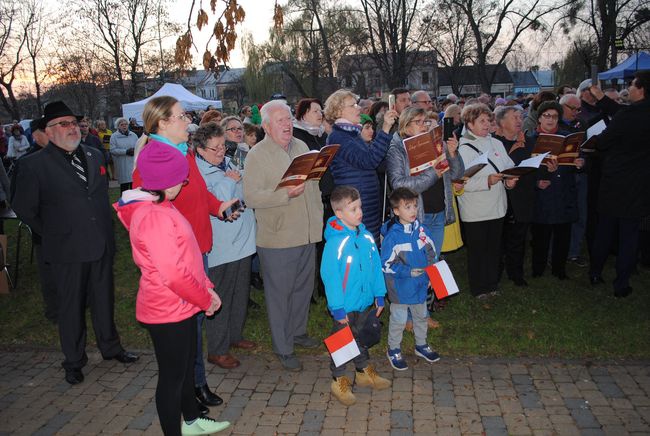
[(354, 286), (405, 251)]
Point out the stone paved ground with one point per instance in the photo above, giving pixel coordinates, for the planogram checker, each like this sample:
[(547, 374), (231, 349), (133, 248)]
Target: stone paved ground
[(454, 396)]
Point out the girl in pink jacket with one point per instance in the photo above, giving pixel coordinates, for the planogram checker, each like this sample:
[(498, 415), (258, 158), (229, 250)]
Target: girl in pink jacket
[(173, 286)]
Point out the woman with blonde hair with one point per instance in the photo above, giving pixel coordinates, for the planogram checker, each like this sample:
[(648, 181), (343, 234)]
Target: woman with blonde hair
[(166, 123), (356, 162)]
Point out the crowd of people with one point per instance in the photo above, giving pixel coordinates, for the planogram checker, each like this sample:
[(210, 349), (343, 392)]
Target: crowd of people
[(206, 219)]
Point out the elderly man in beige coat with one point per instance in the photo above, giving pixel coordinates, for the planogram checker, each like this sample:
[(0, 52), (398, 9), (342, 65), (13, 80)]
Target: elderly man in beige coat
[(289, 223)]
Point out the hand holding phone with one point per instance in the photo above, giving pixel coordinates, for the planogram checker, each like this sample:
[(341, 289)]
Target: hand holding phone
[(391, 102), (448, 128), (237, 206)]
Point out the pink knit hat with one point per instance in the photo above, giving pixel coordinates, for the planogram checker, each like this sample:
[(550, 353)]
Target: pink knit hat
[(161, 166)]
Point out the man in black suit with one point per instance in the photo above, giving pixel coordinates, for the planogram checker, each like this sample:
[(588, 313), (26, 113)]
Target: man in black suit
[(61, 193), (624, 185)]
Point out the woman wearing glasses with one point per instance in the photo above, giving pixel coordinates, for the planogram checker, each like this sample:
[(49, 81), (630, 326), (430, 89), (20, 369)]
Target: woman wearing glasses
[(166, 124), (435, 207), (556, 205), (356, 162), (236, 148)]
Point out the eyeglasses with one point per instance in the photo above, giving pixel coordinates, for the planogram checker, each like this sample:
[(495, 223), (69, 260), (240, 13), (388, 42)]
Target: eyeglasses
[(351, 105), (421, 122), (550, 116), (235, 129), (217, 149), (573, 108), (65, 124), (182, 117)]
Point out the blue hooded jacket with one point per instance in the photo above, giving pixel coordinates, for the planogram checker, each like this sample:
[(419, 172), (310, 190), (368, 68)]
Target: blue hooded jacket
[(351, 269), (406, 247)]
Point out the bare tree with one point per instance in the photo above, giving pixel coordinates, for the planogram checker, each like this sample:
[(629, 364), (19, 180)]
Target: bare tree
[(497, 27), (396, 34), (12, 41), (34, 28), (611, 19)]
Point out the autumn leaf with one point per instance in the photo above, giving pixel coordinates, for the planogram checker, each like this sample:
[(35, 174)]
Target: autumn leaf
[(202, 19)]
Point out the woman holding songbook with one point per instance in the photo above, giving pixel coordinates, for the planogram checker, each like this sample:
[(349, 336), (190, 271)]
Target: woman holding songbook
[(483, 205), (356, 162), (521, 199), (434, 186), (555, 203)]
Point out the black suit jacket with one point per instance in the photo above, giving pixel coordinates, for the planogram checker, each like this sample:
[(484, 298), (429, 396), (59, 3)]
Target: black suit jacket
[(625, 150), (74, 222)]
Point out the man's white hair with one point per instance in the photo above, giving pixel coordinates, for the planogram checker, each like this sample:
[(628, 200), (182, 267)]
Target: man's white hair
[(271, 107), (566, 98), (416, 94), (452, 97)]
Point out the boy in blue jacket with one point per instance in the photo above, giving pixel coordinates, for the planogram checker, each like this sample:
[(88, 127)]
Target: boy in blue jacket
[(406, 250), (354, 286)]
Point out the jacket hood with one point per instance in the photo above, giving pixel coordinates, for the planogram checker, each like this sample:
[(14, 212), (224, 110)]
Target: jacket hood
[(394, 221), (130, 201), (335, 228)]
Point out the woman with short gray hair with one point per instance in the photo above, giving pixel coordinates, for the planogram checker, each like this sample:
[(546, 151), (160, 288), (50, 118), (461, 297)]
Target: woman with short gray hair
[(122, 149)]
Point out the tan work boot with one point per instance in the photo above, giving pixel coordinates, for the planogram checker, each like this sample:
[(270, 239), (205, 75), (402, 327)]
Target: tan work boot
[(369, 377), (342, 389)]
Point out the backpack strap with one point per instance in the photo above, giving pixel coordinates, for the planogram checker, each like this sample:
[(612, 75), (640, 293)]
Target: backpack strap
[(478, 152)]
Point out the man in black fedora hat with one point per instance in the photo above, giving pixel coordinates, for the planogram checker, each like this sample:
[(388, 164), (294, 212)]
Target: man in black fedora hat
[(61, 193)]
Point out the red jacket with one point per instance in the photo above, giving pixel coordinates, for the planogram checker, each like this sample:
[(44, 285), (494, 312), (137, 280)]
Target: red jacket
[(195, 202), (173, 285)]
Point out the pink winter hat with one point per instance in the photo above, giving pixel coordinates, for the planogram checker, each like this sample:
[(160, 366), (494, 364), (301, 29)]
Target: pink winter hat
[(161, 166)]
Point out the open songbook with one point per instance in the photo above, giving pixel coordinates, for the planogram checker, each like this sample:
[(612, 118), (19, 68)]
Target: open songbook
[(525, 166), (565, 148), (308, 166), (473, 167)]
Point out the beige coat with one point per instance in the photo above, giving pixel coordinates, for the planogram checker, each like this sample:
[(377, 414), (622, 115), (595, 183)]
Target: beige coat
[(282, 222)]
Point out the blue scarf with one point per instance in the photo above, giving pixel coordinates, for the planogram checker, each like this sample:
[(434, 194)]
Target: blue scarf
[(348, 127), (182, 147)]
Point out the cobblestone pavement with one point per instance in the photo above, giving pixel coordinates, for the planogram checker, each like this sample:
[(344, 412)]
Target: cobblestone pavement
[(454, 396)]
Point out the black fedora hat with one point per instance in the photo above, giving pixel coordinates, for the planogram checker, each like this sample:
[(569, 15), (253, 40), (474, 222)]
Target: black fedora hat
[(57, 109)]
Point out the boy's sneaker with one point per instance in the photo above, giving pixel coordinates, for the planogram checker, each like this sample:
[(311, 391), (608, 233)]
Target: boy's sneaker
[(203, 426), (341, 388), (425, 352), (369, 377), (396, 360)]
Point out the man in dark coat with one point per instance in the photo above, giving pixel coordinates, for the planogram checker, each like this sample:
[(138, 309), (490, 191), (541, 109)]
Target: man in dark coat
[(61, 193), (624, 185)]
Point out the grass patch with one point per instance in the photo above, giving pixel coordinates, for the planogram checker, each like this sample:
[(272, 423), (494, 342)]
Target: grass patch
[(550, 318)]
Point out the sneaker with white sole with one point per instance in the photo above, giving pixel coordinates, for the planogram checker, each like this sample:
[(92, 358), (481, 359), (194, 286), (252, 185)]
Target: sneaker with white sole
[(396, 360), (425, 352), (203, 426)]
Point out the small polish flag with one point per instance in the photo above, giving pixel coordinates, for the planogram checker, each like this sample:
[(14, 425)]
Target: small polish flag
[(442, 280), (342, 346)]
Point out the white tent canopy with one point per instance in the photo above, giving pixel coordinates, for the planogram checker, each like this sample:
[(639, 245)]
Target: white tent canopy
[(189, 101)]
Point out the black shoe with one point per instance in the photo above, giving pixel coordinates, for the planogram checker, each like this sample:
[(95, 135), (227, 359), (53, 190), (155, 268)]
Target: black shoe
[(124, 357), (203, 410), (520, 282), (596, 280), (622, 293), (256, 281), (252, 304), (206, 397), (74, 376)]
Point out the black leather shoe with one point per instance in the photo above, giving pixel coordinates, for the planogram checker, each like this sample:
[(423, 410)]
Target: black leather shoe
[(596, 280), (203, 410), (207, 397), (74, 376), (622, 293), (124, 357)]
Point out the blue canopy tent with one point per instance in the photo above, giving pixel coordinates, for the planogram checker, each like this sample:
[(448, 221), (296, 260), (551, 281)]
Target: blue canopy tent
[(626, 69)]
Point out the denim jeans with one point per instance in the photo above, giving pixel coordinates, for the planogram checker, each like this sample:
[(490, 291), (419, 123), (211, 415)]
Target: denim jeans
[(435, 223)]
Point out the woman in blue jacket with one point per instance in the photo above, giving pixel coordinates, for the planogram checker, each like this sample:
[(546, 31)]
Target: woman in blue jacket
[(356, 162)]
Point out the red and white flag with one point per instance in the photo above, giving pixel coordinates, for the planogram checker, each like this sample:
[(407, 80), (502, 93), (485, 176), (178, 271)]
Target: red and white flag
[(342, 346), (442, 280)]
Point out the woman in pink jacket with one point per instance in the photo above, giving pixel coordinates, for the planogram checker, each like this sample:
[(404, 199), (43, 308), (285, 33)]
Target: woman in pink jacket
[(173, 287)]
